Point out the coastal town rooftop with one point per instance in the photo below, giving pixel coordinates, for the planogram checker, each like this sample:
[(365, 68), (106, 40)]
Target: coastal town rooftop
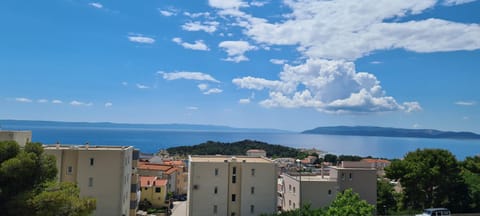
[(85, 147), (228, 158)]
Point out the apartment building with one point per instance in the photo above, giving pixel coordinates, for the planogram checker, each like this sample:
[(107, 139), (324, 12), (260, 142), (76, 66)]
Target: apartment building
[(231, 185), (101, 172), (162, 171), (154, 190), (319, 190), (21, 137)]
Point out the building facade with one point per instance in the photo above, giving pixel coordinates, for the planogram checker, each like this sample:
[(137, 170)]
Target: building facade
[(154, 190), (101, 172), (21, 137), (229, 185)]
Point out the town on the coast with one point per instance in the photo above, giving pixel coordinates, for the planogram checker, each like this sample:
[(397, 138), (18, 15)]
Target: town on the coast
[(121, 180)]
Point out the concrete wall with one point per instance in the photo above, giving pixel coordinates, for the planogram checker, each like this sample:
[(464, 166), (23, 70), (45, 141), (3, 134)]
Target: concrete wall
[(291, 194), (362, 181), (264, 183), (21, 137)]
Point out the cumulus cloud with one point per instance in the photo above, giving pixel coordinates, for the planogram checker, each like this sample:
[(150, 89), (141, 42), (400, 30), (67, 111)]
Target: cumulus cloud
[(167, 13), (208, 26), (108, 104), (465, 103), (138, 38), (258, 3), (327, 85), (198, 45), (187, 75), (23, 100), (202, 86), (196, 15), (96, 5), (376, 62), (227, 4), (244, 101), (213, 91), (236, 50), (141, 86), (278, 61), (456, 2), (56, 101), (80, 103)]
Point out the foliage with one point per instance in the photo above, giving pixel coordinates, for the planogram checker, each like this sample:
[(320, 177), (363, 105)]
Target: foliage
[(428, 178), (471, 175), (349, 203), (386, 197), (62, 199), (235, 148)]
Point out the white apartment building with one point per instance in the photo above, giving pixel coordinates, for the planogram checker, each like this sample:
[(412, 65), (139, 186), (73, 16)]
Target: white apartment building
[(231, 185), (320, 190), (101, 172), (21, 137)]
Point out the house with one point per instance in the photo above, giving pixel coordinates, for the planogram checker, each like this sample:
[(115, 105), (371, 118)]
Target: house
[(154, 191)]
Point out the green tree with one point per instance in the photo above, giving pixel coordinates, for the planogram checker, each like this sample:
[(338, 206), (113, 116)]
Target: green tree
[(471, 175), (430, 178), (61, 199), (386, 197), (349, 203)]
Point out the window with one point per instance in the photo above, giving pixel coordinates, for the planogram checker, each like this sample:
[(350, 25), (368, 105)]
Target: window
[(69, 170), (158, 190), (233, 214), (289, 202), (90, 182), (216, 171), (343, 176), (289, 187), (234, 171), (234, 197), (293, 189), (350, 176), (253, 172), (215, 191), (252, 209), (252, 190), (293, 205), (215, 209), (329, 192), (234, 179), (92, 161)]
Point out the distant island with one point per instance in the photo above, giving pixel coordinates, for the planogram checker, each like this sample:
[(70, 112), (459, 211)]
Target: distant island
[(391, 132)]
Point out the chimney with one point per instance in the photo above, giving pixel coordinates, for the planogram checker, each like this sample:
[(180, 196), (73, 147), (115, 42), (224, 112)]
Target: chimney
[(321, 170), (87, 145), (57, 145)]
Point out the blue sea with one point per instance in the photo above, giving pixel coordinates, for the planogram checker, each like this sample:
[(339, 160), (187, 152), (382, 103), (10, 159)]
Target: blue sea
[(152, 140)]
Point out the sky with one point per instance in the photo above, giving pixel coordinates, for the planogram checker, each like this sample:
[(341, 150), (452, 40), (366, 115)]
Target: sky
[(291, 64)]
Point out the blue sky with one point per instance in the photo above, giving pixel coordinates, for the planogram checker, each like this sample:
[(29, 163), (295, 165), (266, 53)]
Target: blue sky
[(293, 64)]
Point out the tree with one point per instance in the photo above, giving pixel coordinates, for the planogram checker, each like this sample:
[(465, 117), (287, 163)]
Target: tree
[(428, 178), (471, 175), (61, 199), (386, 201), (349, 203)]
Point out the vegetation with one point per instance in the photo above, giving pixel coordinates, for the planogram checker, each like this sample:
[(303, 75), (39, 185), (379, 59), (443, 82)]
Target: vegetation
[(25, 184), (432, 178), (235, 148), (386, 197)]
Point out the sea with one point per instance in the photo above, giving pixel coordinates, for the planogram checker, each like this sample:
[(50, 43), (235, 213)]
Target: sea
[(150, 140)]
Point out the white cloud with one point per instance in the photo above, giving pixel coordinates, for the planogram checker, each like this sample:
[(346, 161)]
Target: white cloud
[(236, 50), (42, 101), (79, 103), (227, 4), (141, 86), (416, 125), (208, 26), (331, 86), (57, 101), (198, 45), (195, 15), (244, 101), (23, 100), (167, 13), (137, 38), (376, 62), (213, 91), (187, 75), (202, 86), (108, 104), (96, 5), (456, 2), (192, 108), (465, 103), (278, 61), (258, 3)]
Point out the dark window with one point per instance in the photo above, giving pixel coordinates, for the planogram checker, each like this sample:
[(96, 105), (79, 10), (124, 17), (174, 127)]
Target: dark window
[(252, 190), (158, 190), (350, 176), (234, 171), (69, 170), (233, 214), (234, 197), (216, 171), (329, 192), (215, 209), (253, 172), (234, 179), (252, 209), (91, 161), (215, 191), (90, 182), (293, 189)]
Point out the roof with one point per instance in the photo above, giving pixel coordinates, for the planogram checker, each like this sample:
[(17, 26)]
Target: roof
[(256, 151), (85, 147), (174, 163), (228, 158), (153, 166), (148, 181), (371, 160)]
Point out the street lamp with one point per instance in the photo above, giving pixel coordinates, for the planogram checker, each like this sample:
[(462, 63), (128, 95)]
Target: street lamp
[(299, 164)]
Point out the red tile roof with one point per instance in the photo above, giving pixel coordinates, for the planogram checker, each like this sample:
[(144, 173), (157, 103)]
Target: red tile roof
[(148, 181)]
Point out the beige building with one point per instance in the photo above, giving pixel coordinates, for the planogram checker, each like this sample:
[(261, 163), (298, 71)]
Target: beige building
[(229, 185), (21, 137), (256, 153), (320, 190), (154, 190), (101, 172)]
